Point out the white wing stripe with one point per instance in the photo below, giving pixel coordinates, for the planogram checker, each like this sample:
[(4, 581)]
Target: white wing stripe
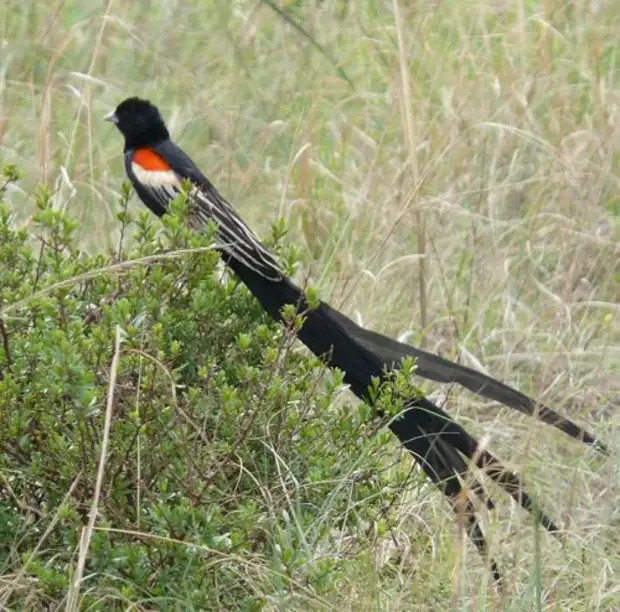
[(240, 241)]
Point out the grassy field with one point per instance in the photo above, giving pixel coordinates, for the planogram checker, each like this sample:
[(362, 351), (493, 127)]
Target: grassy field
[(460, 190)]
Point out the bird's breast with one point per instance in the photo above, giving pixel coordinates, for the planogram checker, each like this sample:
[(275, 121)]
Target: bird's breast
[(152, 170)]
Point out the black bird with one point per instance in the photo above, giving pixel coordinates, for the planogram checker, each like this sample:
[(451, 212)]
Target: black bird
[(157, 169)]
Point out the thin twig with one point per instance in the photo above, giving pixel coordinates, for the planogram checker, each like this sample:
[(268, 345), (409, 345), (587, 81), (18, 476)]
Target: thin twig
[(317, 45), (123, 265), (87, 532), (411, 145)]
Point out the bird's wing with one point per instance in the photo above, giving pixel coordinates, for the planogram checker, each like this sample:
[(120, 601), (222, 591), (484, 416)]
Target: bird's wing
[(237, 239)]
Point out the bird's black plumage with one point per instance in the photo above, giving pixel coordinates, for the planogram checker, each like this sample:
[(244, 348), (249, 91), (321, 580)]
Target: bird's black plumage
[(441, 446)]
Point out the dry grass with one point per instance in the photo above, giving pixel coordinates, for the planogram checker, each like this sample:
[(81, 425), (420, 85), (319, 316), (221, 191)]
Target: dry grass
[(492, 129)]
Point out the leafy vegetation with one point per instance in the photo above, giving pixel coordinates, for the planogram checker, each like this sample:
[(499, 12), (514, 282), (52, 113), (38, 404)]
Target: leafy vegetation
[(233, 470)]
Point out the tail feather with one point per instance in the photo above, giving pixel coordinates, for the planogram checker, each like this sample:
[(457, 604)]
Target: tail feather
[(441, 447), (491, 466), (441, 370), (514, 486), (444, 465)]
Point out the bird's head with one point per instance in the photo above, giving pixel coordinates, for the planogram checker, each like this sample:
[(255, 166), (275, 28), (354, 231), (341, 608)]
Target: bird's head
[(140, 123)]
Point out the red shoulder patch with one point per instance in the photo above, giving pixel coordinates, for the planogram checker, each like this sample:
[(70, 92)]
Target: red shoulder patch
[(150, 160)]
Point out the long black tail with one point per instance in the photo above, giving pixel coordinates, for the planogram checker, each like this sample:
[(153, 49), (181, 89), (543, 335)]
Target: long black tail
[(441, 446)]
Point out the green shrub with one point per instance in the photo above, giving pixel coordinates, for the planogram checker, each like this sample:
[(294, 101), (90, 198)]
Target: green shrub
[(236, 474)]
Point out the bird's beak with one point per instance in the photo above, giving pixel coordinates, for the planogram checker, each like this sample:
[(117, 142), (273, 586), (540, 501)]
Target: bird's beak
[(111, 117)]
